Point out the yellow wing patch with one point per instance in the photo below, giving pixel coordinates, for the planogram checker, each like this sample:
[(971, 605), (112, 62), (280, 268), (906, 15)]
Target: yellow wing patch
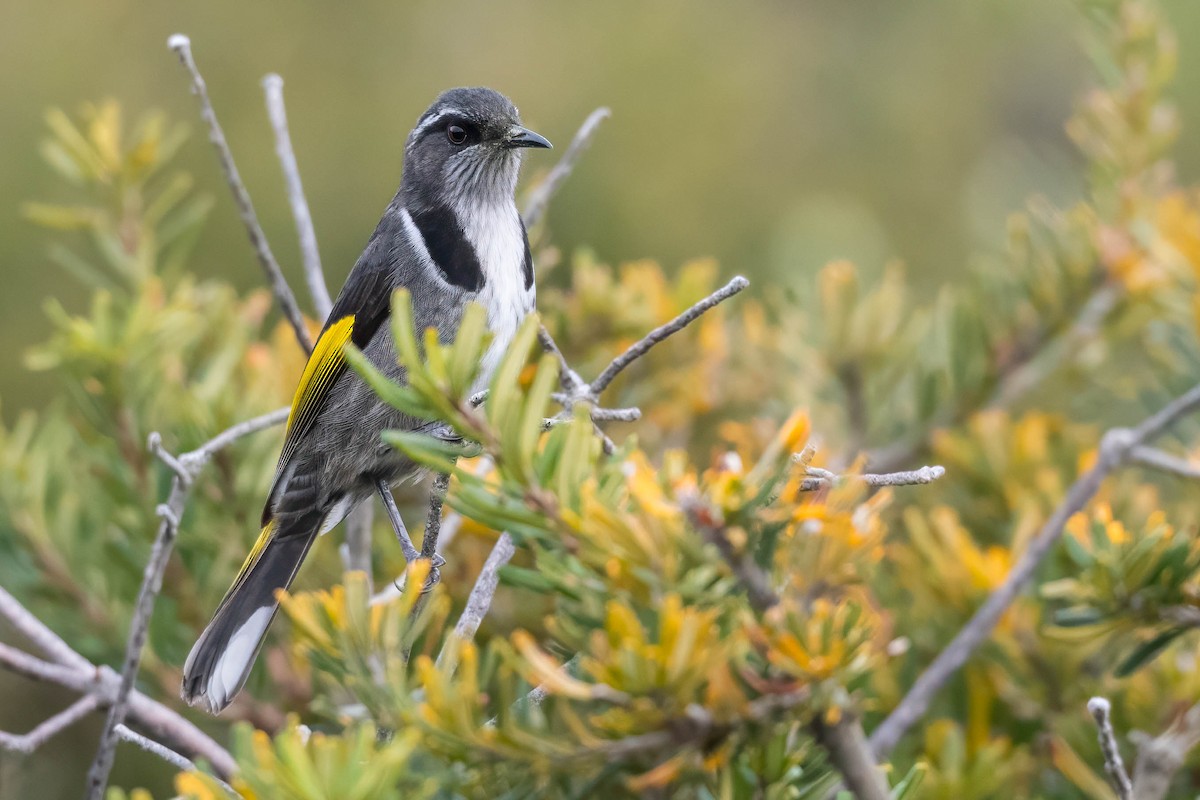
[(322, 368)]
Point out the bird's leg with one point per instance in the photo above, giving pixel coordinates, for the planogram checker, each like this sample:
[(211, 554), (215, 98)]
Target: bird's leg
[(389, 502), (406, 545)]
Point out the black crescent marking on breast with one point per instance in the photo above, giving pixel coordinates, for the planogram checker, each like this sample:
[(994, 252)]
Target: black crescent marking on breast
[(449, 248)]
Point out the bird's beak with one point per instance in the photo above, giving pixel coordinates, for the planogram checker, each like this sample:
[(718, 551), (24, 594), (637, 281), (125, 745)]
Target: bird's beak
[(523, 137)]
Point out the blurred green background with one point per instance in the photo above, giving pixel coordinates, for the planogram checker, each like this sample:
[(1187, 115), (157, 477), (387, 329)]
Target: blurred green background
[(772, 135), (775, 136)]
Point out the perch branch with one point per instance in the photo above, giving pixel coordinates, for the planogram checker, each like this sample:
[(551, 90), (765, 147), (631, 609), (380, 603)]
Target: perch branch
[(1115, 450), (182, 47), (1101, 710), (539, 197), (310, 255)]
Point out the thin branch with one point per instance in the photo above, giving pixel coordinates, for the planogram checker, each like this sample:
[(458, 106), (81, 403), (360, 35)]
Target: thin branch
[(641, 347), (1161, 460), (197, 458), (310, 255), (851, 755), (1101, 710), (28, 742), (39, 633), (139, 627), (568, 377), (1115, 449), (1161, 757), (480, 599), (822, 478), (177, 760), (182, 47), (539, 197), (185, 468)]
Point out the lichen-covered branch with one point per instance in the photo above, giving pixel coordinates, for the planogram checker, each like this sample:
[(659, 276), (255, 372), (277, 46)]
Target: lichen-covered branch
[(1101, 712), (822, 478)]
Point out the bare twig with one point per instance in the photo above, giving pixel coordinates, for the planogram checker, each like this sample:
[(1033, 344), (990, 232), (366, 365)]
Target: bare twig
[(1101, 710), (539, 197), (197, 458), (1161, 757), (182, 47), (1115, 449), (139, 626), (28, 742), (311, 256), (39, 633), (851, 755), (480, 599), (568, 377), (1158, 459), (821, 478), (185, 468), (177, 760), (101, 683), (641, 347)]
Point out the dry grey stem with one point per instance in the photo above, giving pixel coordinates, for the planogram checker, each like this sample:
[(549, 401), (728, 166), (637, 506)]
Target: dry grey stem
[(641, 347), (314, 275), (182, 47), (1101, 711), (540, 197), (479, 602)]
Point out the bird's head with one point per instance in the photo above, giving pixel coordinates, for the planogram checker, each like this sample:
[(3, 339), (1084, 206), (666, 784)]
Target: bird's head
[(467, 145)]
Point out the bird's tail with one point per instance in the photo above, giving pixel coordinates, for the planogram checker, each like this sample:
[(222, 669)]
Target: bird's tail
[(221, 659)]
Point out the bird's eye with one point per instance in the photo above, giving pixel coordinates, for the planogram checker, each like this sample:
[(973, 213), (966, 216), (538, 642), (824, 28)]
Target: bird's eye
[(457, 134)]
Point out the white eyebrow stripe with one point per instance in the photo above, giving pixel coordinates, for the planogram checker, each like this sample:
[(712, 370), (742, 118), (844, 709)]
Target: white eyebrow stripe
[(436, 118)]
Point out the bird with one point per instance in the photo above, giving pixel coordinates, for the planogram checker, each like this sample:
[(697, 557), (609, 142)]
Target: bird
[(452, 234)]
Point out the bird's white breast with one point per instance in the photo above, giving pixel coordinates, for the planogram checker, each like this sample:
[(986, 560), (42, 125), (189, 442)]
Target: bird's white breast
[(494, 231)]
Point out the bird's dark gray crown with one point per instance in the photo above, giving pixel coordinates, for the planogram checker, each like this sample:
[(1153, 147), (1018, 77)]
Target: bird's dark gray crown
[(492, 112)]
